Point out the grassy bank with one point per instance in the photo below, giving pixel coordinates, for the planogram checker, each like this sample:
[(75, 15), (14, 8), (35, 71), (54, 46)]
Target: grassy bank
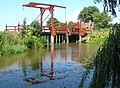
[(14, 42)]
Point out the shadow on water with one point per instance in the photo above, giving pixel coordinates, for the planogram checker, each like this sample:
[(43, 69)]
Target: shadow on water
[(55, 67)]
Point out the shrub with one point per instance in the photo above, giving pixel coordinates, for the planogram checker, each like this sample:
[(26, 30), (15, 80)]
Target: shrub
[(10, 49), (11, 42)]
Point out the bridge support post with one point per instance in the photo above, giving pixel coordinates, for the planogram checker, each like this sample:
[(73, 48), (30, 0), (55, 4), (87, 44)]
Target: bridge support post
[(80, 30), (52, 39), (64, 38), (60, 38), (67, 38), (79, 38), (56, 39)]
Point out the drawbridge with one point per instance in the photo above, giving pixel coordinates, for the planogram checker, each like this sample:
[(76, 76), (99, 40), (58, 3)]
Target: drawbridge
[(57, 33)]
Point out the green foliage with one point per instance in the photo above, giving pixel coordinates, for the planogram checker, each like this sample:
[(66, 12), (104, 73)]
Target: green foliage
[(101, 20), (92, 13), (56, 22), (35, 42), (107, 62), (98, 37), (32, 38), (10, 49), (33, 31), (69, 25), (23, 30), (11, 42), (10, 38), (35, 24), (86, 14)]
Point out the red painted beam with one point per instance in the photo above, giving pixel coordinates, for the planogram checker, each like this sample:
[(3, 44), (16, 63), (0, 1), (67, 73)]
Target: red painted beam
[(40, 5)]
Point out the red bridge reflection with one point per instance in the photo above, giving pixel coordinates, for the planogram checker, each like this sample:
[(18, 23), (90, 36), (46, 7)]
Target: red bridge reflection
[(44, 69)]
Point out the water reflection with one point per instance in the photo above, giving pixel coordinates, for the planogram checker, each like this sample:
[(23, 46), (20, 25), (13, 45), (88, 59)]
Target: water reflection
[(38, 70), (56, 66)]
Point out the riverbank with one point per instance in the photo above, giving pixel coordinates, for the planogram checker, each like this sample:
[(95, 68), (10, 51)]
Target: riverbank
[(14, 42), (97, 36)]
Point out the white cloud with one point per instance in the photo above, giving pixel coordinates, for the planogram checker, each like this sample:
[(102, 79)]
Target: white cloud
[(116, 20), (73, 16)]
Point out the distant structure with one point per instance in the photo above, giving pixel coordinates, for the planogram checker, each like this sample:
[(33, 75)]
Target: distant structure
[(57, 34)]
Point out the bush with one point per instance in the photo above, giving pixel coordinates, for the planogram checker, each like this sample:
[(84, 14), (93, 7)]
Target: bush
[(96, 37), (10, 49), (11, 42)]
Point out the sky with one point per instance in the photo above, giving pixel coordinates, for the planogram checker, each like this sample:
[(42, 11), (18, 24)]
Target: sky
[(12, 12)]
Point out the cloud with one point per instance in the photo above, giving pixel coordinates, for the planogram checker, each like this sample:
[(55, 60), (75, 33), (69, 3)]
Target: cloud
[(73, 16), (116, 20)]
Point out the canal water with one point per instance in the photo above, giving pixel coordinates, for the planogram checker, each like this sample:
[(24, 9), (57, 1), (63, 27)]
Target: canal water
[(57, 66)]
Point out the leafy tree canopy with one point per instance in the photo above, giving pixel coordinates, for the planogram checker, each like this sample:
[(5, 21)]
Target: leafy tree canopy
[(86, 14), (101, 20), (56, 22), (35, 24), (70, 24)]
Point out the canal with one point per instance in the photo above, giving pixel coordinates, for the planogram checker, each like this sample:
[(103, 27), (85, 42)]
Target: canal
[(58, 66)]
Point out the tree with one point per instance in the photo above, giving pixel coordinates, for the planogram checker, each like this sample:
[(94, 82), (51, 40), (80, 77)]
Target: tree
[(35, 28), (107, 60), (35, 24), (86, 14), (56, 22), (23, 30), (110, 5), (101, 20), (70, 24)]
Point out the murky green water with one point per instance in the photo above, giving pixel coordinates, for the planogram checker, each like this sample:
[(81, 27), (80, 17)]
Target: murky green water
[(55, 67)]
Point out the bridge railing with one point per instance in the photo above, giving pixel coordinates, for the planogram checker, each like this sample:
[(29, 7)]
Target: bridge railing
[(13, 28), (16, 28), (61, 28), (75, 27), (46, 29)]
